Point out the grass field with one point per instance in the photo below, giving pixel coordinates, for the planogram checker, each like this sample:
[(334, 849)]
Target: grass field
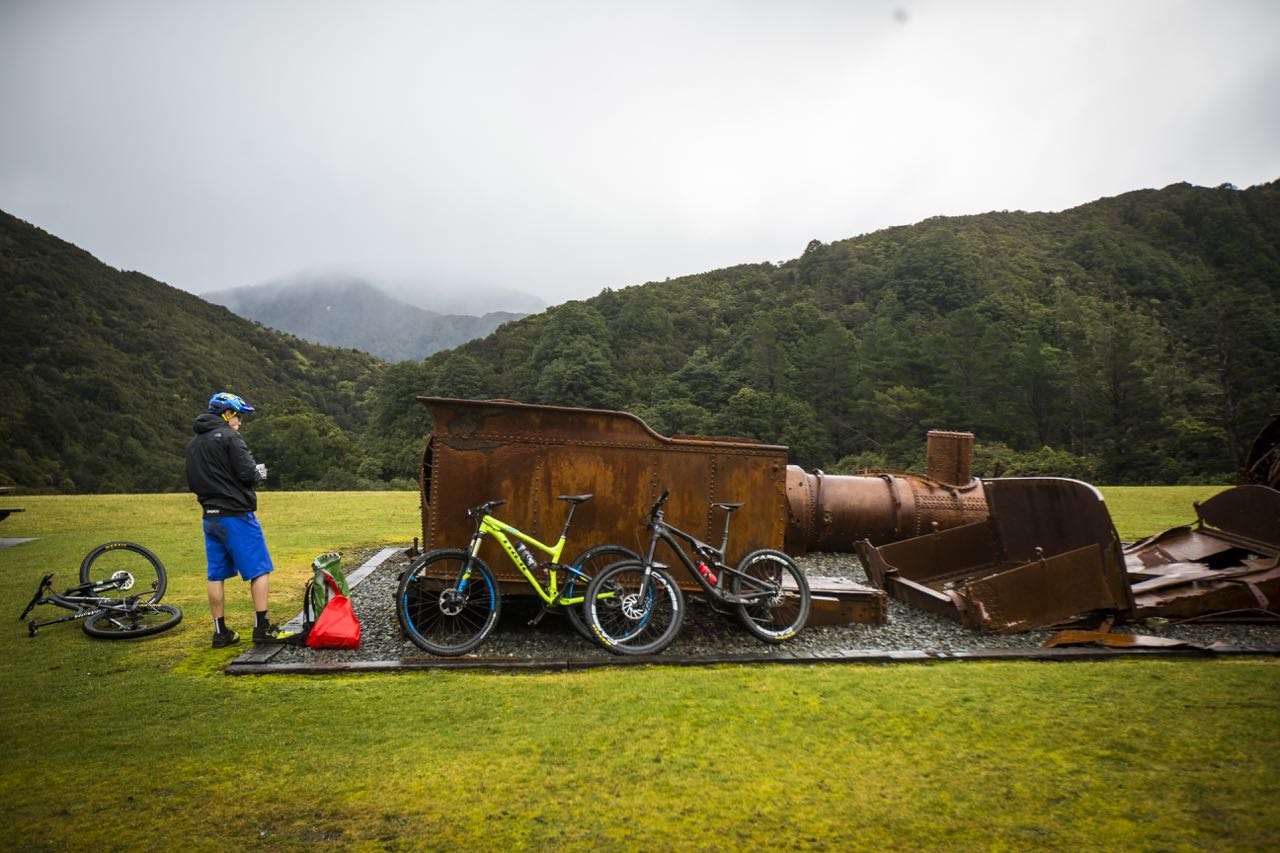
[(147, 743)]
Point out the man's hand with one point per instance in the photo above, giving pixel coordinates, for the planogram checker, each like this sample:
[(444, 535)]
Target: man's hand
[(262, 471)]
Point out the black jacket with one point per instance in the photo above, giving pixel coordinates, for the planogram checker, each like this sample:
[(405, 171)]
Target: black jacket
[(220, 468)]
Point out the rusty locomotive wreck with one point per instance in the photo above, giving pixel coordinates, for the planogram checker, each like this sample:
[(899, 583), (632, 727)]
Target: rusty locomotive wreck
[(1002, 555)]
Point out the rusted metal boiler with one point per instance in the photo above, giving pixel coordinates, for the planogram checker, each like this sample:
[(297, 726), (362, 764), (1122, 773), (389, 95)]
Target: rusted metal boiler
[(528, 454), (832, 512)]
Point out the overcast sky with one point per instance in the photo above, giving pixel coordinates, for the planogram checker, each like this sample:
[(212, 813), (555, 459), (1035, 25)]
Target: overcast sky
[(558, 148)]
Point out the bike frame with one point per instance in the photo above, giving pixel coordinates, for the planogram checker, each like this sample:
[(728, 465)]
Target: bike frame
[(502, 532), (81, 600), (660, 530)]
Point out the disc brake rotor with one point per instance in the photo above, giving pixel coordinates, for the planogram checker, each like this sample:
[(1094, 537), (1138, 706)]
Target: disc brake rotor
[(451, 602), (631, 606)]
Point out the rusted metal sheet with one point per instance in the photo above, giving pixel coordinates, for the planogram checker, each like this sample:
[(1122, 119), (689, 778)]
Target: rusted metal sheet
[(1262, 466), (1047, 553), (1111, 640), (528, 454), (840, 601), (1227, 563)]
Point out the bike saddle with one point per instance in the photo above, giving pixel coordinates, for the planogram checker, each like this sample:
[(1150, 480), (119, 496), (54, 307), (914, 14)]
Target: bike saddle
[(727, 507), (575, 499)]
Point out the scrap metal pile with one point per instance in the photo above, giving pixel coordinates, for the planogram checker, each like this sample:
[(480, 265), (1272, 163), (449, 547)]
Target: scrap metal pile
[(1003, 555)]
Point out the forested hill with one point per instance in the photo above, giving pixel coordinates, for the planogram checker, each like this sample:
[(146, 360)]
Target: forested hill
[(349, 312), (104, 371), (1132, 339)]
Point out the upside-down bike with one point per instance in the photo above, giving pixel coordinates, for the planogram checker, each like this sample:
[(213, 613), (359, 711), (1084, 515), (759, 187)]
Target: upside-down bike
[(108, 611)]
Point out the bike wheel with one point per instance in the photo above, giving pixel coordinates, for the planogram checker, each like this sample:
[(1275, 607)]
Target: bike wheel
[(131, 567), (782, 608), (590, 563), (439, 611), (630, 618), (123, 623)]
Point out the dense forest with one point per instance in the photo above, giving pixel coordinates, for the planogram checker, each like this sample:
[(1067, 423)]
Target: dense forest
[(1134, 339)]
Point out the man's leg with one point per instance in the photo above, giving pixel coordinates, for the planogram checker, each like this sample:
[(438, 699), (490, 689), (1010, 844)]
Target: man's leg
[(258, 589), (217, 599), (219, 569), (254, 564)]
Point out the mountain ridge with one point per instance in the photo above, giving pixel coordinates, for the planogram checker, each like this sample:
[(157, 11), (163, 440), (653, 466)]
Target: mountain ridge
[(350, 312)]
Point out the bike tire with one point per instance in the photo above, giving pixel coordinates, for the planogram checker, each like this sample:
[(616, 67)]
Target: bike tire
[(103, 554), (782, 617), (632, 627), (590, 562), (105, 625), (422, 609)]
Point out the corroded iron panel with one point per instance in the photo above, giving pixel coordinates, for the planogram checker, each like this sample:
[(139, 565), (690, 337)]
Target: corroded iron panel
[(1048, 553), (527, 454), (1225, 567)]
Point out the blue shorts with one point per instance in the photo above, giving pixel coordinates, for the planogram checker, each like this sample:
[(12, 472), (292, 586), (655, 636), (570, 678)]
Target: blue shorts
[(234, 545)]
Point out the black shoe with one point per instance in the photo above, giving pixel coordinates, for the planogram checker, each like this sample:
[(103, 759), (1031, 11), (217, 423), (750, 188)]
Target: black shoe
[(270, 635), (225, 637)]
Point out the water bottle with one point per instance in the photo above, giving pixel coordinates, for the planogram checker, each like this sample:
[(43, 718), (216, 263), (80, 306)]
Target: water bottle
[(526, 556), (707, 575)]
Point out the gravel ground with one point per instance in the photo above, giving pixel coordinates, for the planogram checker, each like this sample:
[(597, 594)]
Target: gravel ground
[(706, 632)]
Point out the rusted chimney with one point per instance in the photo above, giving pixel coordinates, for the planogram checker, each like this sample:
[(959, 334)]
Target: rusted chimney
[(949, 457)]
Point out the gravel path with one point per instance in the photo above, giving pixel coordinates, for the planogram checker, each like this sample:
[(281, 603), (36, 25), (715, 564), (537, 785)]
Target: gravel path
[(706, 632)]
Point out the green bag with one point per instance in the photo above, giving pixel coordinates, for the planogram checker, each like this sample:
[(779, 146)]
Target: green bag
[(318, 591)]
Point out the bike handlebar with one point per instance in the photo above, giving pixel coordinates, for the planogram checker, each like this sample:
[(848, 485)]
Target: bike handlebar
[(46, 581), (483, 509)]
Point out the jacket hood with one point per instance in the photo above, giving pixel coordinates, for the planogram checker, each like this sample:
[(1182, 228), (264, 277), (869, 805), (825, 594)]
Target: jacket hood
[(207, 422)]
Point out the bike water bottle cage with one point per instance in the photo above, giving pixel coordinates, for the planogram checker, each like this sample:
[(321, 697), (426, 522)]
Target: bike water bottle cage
[(483, 509)]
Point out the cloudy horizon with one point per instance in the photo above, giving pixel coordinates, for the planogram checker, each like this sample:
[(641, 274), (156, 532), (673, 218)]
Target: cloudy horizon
[(556, 149)]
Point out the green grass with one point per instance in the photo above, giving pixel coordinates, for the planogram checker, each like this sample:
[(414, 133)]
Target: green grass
[(1139, 511), (133, 744)]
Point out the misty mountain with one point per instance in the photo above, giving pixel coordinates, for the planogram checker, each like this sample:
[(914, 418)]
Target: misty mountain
[(477, 300), (349, 312)]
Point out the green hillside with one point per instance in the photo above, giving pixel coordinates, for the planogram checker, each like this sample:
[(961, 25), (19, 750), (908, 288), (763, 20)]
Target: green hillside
[(104, 371), (1134, 339)]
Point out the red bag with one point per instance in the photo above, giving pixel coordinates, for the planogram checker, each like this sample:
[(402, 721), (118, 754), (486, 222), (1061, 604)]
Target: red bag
[(337, 627)]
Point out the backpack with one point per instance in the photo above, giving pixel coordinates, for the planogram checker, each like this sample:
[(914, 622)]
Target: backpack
[(329, 620)]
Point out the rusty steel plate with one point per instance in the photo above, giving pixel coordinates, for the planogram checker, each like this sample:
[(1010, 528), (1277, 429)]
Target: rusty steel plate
[(1048, 553), (528, 454)]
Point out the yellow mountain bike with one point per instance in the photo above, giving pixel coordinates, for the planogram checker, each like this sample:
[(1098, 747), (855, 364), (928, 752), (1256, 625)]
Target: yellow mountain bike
[(448, 600)]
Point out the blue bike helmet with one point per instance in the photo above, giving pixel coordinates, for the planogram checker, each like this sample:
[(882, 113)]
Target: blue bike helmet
[(224, 401)]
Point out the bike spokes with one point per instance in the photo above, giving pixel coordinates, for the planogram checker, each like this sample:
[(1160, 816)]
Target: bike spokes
[(776, 593), (120, 573), (631, 614), (446, 608)]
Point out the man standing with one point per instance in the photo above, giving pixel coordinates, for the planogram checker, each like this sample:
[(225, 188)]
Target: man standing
[(222, 473)]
